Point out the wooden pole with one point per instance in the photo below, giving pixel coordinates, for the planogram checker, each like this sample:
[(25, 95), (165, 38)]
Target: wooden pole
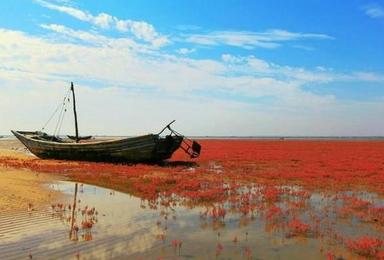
[(74, 111)]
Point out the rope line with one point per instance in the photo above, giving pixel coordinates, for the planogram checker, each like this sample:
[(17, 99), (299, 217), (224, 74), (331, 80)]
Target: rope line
[(61, 114), (62, 119), (49, 120)]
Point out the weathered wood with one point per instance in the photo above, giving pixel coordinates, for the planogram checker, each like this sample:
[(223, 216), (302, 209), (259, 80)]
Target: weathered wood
[(144, 148), (79, 137), (74, 111)]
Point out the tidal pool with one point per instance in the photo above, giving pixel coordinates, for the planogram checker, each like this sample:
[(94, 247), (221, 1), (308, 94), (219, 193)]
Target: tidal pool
[(109, 224)]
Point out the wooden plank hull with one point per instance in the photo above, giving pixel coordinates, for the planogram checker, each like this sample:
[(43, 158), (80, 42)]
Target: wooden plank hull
[(146, 148)]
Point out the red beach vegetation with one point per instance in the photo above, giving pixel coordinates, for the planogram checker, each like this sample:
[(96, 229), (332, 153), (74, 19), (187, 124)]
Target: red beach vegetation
[(275, 179)]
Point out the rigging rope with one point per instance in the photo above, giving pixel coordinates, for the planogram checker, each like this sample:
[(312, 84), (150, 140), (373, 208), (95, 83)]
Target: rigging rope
[(62, 105), (61, 115), (49, 120), (62, 118)]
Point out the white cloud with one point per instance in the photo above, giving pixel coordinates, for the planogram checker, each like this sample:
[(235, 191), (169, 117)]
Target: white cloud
[(146, 32), (251, 65), (369, 76), (185, 51), (79, 14), (81, 35), (250, 40), (64, 33), (116, 80), (103, 20), (283, 35), (140, 29), (120, 112), (374, 11)]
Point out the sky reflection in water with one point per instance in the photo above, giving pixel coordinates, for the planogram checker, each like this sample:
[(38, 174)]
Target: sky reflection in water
[(123, 225)]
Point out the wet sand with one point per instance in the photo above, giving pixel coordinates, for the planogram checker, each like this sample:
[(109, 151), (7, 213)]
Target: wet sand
[(23, 190)]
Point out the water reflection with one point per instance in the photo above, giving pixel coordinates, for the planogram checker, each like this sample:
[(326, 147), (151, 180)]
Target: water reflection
[(74, 228), (79, 221), (253, 221)]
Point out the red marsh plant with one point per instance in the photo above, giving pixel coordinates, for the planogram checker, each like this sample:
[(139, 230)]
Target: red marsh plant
[(247, 177), (365, 246)]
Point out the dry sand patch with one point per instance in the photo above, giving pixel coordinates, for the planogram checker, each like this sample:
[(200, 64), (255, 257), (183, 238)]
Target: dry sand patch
[(21, 189)]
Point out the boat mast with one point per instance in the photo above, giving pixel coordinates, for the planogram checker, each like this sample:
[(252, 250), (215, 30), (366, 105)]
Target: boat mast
[(74, 111), (71, 233)]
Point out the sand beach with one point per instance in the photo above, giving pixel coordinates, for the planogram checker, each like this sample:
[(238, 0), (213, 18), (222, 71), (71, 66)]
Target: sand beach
[(23, 189)]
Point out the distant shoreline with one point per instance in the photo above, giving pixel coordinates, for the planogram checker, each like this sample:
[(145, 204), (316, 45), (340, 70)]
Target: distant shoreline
[(290, 137), (5, 137)]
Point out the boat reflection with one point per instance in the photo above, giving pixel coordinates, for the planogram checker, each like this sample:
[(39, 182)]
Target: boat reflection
[(79, 220)]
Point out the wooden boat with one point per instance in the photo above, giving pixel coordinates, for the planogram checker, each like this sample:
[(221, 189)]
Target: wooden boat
[(146, 148), (87, 137)]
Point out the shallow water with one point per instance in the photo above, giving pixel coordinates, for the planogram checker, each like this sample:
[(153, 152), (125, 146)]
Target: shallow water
[(124, 225)]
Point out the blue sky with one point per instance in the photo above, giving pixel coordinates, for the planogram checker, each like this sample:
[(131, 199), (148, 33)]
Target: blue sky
[(219, 67)]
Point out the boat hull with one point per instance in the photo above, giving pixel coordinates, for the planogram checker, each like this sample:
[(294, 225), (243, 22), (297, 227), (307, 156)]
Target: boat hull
[(146, 148)]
